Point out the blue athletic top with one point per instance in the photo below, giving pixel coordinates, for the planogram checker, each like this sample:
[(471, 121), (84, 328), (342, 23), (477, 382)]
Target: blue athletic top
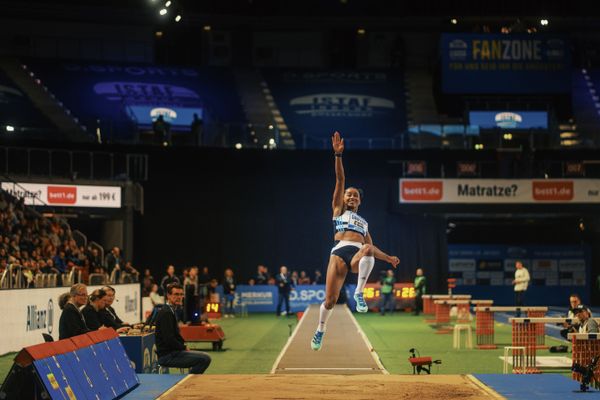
[(350, 221)]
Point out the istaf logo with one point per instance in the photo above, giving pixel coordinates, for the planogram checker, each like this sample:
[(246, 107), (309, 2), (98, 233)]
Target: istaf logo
[(62, 195)]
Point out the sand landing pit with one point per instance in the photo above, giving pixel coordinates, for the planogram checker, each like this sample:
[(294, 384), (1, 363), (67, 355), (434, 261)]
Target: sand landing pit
[(330, 387)]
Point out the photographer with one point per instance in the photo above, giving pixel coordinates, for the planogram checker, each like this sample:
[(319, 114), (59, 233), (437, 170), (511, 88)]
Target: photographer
[(586, 323), (574, 301)]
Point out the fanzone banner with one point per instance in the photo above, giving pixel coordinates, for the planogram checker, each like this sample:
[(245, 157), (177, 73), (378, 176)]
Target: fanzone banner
[(58, 195), (27, 313), (496, 63), (476, 191)]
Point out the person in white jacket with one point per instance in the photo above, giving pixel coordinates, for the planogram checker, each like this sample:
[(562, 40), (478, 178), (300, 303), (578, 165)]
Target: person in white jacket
[(520, 283)]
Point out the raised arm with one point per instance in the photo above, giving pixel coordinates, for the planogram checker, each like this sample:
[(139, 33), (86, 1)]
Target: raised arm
[(380, 255), (337, 203)]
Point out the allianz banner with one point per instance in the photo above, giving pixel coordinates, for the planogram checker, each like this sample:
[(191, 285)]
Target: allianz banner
[(496, 63), (263, 298), (500, 191), (27, 313), (359, 104)]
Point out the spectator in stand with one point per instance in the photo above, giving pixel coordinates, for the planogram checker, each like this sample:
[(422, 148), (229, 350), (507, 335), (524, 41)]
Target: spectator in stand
[(251, 282), (60, 262), (155, 297), (318, 278), (72, 322), (303, 279), (115, 263), (108, 314), (170, 347), (191, 288), (294, 278), (92, 311), (284, 286), (197, 128), (262, 276), (162, 131), (63, 299), (147, 282), (135, 274), (96, 261), (229, 292), (169, 278)]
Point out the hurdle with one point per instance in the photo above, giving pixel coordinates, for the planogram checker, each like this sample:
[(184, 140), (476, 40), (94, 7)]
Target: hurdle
[(525, 333), (429, 299), (484, 328), (585, 347)]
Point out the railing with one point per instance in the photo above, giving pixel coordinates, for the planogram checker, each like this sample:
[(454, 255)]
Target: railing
[(80, 238), (72, 164)]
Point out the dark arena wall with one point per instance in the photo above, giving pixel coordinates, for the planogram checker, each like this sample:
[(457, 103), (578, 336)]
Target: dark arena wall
[(228, 208)]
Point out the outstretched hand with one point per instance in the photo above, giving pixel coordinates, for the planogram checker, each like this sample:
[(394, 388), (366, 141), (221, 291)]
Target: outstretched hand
[(337, 142), (394, 261)]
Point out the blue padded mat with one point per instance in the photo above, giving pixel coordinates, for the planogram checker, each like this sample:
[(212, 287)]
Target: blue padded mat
[(530, 387), (153, 385)]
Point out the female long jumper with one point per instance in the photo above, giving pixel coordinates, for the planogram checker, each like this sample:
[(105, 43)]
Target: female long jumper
[(353, 247)]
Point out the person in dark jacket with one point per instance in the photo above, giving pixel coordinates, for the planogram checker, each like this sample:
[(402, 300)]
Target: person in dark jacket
[(109, 317), (92, 311), (72, 322), (285, 286), (170, 347), (229, 292)]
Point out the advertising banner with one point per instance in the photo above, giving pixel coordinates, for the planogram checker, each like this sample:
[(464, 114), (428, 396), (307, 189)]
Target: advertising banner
[(263, 298), (59, 195), (555, 271), (359, 104), (126, 95), (509, 119), (28, 313), (499, 191), (498, 63)]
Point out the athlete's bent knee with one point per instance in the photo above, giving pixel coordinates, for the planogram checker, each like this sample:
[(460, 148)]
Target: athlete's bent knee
[(330, 302), (367, 250)]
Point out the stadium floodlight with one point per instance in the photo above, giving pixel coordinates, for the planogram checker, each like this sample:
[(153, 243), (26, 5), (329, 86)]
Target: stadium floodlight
[(238, 146), (162, 11), (208, 28), (543, 22), (361, 31), (178, 18), (10, 128), (454, 21), (168, 4), (271, 141)]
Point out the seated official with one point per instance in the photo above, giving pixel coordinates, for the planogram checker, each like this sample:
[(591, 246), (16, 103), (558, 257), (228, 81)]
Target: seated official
[(92, 311), (109, 317), (72, 322), (574, 301), (586, 323), (170, 346)]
